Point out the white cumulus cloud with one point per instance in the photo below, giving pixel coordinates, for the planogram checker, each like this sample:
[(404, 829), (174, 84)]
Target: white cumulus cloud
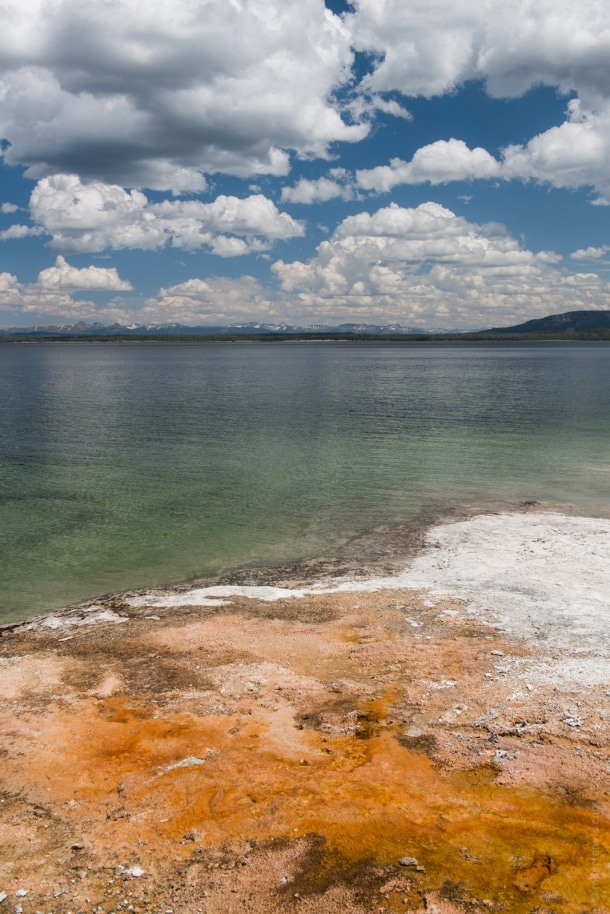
[(19, 231), (213, 301), (319, 190), (46, 297), (574, 154), (157, 95), (9, 290), (427, 50), (95, 217), (68, 278), (437, 163), (590, 253), (426, 266)]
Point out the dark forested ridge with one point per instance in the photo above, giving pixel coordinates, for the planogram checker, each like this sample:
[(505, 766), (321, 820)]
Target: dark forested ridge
[(568, 323)]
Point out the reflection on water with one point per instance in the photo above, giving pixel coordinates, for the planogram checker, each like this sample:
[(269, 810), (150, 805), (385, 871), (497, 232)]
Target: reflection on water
[(125, 465)]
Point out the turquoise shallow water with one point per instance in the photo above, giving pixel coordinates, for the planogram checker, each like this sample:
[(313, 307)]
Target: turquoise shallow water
[(130, 465)]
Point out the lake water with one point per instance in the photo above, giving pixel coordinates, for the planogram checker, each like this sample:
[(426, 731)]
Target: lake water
[(128, 465)]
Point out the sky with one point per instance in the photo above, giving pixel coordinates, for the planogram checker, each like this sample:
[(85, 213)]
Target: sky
[(436, 165)]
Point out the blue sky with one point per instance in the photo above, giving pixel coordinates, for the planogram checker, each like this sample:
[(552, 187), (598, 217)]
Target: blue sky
[(437, 165)]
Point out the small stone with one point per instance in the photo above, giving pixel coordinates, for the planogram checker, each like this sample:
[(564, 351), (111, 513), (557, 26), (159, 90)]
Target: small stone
[(574, 721), (136, 871), (408, 861), (18, 909), (497, 653), (3, 897), (21, 893), (77, 846)]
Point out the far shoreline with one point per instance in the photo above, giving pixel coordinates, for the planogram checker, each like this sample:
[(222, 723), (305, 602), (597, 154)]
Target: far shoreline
[(589, 337)]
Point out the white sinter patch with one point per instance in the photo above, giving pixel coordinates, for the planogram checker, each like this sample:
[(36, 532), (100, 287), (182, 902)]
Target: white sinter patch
[(542, 578)]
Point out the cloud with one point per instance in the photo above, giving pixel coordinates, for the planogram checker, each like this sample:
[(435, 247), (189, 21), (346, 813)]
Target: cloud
[(156, 96), (23, 299), (391, 106), (9, 290), (213, 301), (366, 251), (438, 163), (18, 231), (338, 185), (424, 49), (9, 208), (590, 253), (575, 154), (420, 267), (425, 266), (67, 278), (95, 217), (160, 96), (429, 50), (52, 293)]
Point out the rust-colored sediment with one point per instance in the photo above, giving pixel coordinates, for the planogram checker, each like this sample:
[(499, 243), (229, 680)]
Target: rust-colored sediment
[(353, 753)]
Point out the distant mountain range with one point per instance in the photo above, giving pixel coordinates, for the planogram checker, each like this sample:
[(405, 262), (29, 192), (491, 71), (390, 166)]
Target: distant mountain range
[(172, 329), (567, 324)]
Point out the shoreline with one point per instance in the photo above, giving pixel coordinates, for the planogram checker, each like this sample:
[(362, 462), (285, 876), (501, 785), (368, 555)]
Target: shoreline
[(429, 740), (439, 557), (383, 551)]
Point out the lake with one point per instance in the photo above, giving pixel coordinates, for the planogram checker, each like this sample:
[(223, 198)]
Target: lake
[(126, 465)]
